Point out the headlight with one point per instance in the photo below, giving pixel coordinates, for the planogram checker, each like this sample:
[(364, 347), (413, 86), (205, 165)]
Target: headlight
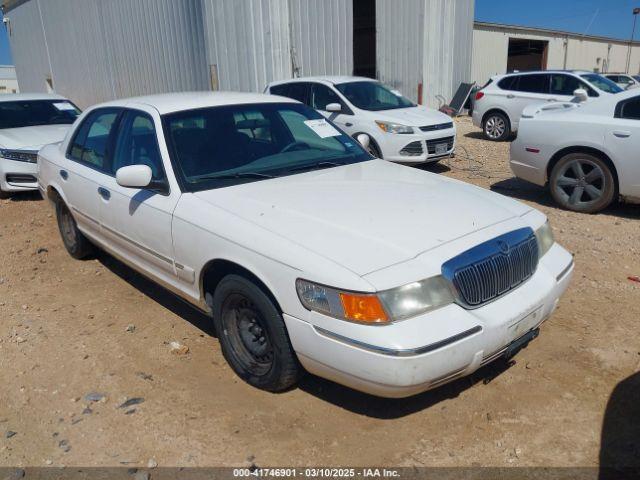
[(544, 236), (394, 127), (19, 155), (384, 307)]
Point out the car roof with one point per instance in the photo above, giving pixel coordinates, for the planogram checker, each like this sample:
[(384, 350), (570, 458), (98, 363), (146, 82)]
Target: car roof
[(332, 79), (533, 72), (19, 97), (177, 102)]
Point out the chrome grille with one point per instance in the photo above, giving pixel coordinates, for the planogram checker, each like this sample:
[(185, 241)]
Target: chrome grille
[(413, 149), (440, 126), (20, 155), (431, 144), (493, 268)]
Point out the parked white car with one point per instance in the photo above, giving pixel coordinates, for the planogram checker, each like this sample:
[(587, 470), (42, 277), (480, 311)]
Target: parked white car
[(499, 104), (306, 251), (623, 80), (27, 122), (586, 153), (399, 130)]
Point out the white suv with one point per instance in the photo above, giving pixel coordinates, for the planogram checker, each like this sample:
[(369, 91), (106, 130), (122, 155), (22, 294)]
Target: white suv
[(499, 104), (623, 80), (399, 130)]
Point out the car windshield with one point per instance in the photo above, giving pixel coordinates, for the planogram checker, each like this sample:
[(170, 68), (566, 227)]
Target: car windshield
[(17, 114), (602, 83), (373, 96), (222, 146)]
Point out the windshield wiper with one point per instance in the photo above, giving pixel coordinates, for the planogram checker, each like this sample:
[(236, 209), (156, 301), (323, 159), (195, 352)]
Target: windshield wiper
[(315, 166), (235, 175)]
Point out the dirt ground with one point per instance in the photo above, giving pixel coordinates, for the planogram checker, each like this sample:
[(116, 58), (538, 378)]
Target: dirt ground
[(64, 334)]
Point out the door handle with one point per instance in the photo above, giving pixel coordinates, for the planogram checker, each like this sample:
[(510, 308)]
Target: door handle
[(621, 134), (104, 193), (511, 96), (552, 100), (348, 124), (64, 174)]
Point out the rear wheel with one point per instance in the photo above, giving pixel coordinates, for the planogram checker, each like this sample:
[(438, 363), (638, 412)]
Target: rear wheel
[(582, 182), (253, 336), (496, 127), (75, 242)]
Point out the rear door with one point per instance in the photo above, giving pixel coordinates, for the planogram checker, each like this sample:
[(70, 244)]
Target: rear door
[(299, 91), (137, 222), (623, 142), (86, 162), (527, 90)]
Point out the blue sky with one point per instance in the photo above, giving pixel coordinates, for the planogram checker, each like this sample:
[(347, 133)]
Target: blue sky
[(610, 18)]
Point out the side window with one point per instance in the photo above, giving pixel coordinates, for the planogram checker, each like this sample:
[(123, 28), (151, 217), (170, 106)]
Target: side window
[(535, 83), (614, 78), (89, 145), (299, 91), (564, 84), (321, 96), (508, 83), (629, 109), (137, 144), (279, 90)]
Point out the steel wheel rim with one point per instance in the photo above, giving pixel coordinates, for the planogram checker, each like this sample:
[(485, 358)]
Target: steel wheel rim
[(581, 182), (248, 338), (67, 228), (495, 127)]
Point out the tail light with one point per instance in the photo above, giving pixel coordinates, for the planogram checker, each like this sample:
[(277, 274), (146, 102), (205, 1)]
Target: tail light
[(479, 95)]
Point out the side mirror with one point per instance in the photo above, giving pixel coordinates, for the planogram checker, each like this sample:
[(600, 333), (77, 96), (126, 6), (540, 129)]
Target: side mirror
[(333, 107), (134, 176), (581, 95), (363, 139)]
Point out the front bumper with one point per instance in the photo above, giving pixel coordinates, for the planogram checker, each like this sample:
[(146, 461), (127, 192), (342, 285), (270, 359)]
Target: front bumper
[(18, 176), (418, 147), (435, 348)]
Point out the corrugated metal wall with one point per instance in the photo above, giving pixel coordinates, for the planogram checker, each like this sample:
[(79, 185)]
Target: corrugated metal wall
[(96, 50), (399, 44), (322, 36), (425, 41), (448, 44), (248, 42)]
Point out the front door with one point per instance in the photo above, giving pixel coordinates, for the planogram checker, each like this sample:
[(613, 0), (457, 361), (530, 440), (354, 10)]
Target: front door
[(321, 96), (623, 142), (137, 222)]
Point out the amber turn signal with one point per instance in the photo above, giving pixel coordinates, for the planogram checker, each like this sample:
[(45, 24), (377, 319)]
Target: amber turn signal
[(363, 308)]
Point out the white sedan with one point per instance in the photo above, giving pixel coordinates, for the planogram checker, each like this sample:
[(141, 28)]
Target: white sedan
[(398, 129), (27, 122), (307, 252), (588, 154)]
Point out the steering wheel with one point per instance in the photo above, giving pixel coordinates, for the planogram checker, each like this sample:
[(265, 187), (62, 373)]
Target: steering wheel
[(295, 146)]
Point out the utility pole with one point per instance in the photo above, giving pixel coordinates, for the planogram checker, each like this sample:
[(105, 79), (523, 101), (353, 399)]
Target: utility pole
[(636, 11)]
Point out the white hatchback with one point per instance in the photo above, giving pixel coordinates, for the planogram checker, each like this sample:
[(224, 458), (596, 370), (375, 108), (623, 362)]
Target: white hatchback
[(27, 122), (399, 130), (499, 104), (307, 252)]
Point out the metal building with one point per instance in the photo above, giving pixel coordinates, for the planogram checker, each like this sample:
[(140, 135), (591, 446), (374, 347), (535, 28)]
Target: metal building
[(97, 50), (8, 79), (499, 49)]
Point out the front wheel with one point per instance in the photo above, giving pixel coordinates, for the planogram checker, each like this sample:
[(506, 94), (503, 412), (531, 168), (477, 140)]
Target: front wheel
[(253, 336), (75, 242), (582, 182), (496, 127)]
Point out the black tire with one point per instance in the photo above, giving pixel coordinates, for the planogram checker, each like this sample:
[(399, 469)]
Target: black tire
[(74, 241), (373, 149), (253, 336), (582, 182), (496, 127)]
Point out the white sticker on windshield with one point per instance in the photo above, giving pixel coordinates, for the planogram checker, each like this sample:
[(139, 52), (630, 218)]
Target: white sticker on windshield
[(322, 128), (62, 106)]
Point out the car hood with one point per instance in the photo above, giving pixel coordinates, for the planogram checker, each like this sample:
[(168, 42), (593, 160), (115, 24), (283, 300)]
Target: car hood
[(32, 138), (365, 216), (417, 116)]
